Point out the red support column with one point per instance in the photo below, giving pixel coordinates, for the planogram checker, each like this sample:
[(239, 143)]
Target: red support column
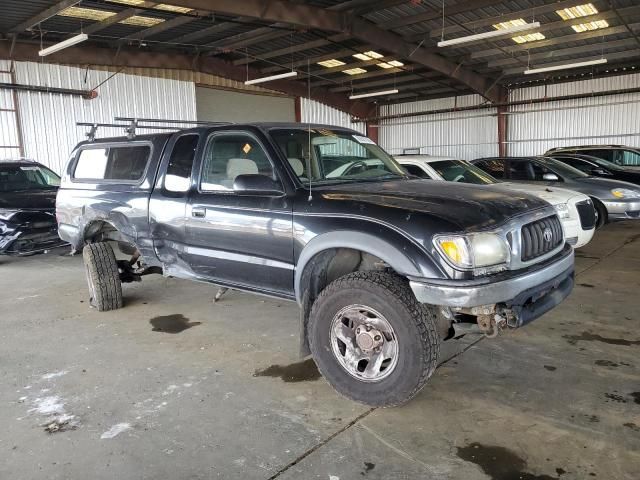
[(372, 131), (298, 109)]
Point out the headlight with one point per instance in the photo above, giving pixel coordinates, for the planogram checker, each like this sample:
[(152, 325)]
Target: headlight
[(6, 213), (562, 209), (625, 193), (474, 250)]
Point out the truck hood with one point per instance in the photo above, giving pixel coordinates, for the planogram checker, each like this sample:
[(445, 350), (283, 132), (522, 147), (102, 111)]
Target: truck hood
[(44, 199), (464, 206)]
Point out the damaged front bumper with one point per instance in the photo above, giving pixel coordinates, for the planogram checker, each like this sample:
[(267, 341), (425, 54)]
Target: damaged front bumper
[(523, 298), (28, 238)]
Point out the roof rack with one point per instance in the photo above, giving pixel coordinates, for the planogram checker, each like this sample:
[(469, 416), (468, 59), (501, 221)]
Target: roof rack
[(167, 120), (130, 129)]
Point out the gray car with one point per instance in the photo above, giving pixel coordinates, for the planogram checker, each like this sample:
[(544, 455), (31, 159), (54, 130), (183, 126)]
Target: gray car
[(613, 199)]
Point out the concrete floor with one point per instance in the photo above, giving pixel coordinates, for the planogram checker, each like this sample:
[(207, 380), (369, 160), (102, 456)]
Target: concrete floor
[(227, 397)]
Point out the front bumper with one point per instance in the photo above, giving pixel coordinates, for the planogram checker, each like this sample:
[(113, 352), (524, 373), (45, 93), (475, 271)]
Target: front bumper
[(21, 240), (619, 210), (509, 291)]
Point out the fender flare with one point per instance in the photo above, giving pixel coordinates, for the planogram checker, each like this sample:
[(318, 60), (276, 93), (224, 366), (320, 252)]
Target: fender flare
[(364, 242)]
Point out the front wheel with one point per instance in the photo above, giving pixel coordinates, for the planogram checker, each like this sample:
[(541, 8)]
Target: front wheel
[(602, 216), (103, 277), (372, 340)]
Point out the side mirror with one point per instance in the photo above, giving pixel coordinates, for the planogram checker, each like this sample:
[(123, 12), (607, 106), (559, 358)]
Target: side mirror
[(252, 184), (550, 177)]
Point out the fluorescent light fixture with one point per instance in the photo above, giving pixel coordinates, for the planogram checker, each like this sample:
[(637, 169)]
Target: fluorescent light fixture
[(566, 66), (384, 65), (395, 63), (141, 21), (272, 77), (331, 63), (62, 45), (577, 11), (354, 71), (373, 94), (86, 13), (499, 32), (172, 8), (583, 27)]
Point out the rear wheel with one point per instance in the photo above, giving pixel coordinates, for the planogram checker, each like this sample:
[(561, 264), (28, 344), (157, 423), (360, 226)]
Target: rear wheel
[(103, 277), (372, 340)]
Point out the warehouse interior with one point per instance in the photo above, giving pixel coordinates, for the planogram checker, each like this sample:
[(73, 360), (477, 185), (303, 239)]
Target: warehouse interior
[(226, 394)]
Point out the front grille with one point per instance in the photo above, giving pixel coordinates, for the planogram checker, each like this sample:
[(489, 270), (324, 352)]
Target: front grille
[(540, 237), (587, 214)]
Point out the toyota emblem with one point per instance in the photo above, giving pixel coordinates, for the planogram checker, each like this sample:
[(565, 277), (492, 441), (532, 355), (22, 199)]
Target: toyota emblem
[(547, 234)]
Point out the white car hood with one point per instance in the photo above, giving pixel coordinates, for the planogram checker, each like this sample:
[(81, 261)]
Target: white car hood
[(553, 195)]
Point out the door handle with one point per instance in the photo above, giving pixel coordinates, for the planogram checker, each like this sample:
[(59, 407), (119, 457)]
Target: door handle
[(199, 212)]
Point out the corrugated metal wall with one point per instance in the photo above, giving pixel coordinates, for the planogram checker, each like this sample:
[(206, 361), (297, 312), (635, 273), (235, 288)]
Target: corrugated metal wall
[(465, 135), (48, 120), (533, 129), (9, 136), (316, 112)]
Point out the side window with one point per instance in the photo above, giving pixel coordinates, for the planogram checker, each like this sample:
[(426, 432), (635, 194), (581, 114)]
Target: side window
[(126, 163), (229, 155), (579, 164), (606, 154), (630, 158), (495, 167), (178, 177), (415, 170), (521, 170)]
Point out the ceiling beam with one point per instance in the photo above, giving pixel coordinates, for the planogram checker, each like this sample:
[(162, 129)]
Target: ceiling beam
[(328, 20), (432, 13), (251, 37), (88, 55), (208, 31), (381, 83), (44, 15), (160, 27)]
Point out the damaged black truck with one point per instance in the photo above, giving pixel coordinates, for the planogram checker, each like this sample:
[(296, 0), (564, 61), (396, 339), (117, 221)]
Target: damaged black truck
[(383, 266)]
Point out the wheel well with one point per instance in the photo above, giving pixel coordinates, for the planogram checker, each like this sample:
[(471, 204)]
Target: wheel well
[(324, 268), (101, 231), (602, 212)]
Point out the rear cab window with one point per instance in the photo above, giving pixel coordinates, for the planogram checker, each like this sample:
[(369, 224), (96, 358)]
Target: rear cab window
[(117, 163)]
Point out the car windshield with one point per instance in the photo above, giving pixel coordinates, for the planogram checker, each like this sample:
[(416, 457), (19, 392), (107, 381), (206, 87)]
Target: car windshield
[(26, 177), (562, 169), (461, 171), (321, 155)]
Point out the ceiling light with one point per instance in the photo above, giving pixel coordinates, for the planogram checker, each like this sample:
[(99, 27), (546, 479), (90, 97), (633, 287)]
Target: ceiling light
[(172, 8), (529, 37), (62, 45), (354, 71), (373, 94), (583, 27), (566, 66), (370, 55), (395, 63), (128, 2), (86, 13), (331, 63), (503, 28), (362, 56), (384, 65), (577, 11), (270, 78), (139, 21)]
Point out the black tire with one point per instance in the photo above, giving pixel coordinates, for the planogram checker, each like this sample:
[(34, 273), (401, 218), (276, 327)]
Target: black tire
[(414, 324), (103, 277), (602, 216)]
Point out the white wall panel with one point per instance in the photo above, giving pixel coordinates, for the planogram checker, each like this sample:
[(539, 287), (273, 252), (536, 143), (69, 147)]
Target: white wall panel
[(48, 120), (533, 129), (465, 135), (316, 112)]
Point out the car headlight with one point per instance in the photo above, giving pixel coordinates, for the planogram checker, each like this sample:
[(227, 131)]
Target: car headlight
[(7, 213), (562, 209), (474, 250), (625, 193)]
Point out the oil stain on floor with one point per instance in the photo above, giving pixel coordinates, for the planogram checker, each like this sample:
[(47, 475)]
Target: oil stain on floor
[(499, 463), (592, 337), (296, 372), (175, 323)]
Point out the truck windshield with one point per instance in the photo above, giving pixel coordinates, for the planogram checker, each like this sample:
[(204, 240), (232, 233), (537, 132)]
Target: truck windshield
[(461, 171), (320, 155), (14, 178)]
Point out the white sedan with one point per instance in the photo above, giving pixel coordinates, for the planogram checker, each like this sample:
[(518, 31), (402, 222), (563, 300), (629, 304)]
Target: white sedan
[(574, 209)]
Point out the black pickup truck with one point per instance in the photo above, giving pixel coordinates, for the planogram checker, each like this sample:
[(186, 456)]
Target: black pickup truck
[(383, 266)]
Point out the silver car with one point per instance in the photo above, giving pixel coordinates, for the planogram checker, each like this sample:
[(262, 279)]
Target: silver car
[(613, 199)]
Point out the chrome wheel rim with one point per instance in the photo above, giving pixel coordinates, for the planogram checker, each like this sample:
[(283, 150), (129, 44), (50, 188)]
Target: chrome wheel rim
[(364, 343)]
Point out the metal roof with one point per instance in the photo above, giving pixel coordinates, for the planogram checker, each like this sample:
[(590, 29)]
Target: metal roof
[(274, 47)]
